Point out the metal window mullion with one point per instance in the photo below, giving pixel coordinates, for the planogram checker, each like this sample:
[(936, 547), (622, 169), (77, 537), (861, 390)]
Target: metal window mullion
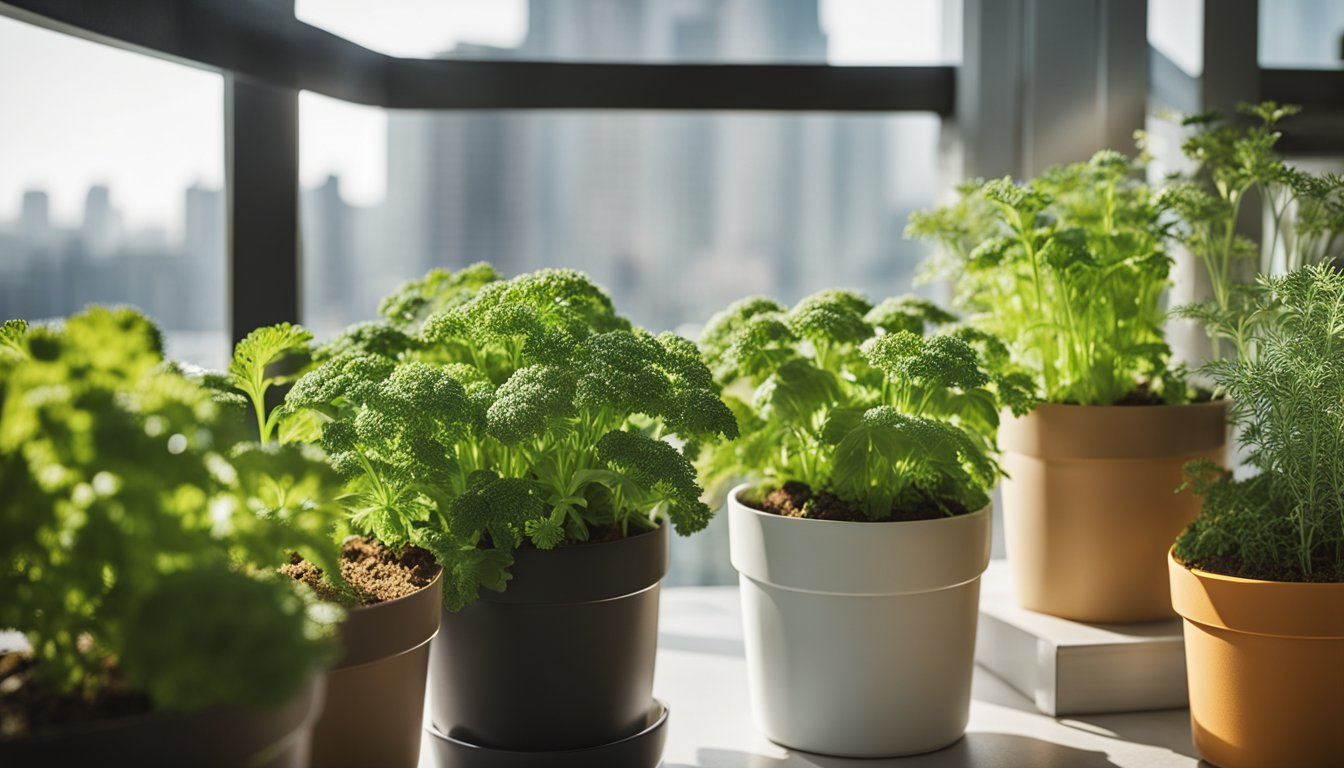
[(261, 179)]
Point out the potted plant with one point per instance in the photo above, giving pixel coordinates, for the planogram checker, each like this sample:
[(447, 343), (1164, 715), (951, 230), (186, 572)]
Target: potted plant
[(1070, 269), (1234, 164), (375, 695), (139, 529), (520, 433), (1259, 575), (865, 525)]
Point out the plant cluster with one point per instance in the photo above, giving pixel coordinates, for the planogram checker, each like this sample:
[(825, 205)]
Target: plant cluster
[(853, 399), (482, 415), (142, 526), (1069, 269), (1286, 521), (1236, 163)]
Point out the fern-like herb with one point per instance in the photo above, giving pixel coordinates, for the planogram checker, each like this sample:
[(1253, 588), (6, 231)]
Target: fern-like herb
[(1069, 269), (854, 400), (526, 412), (142, 525), (1235, 163), (1288, 400)]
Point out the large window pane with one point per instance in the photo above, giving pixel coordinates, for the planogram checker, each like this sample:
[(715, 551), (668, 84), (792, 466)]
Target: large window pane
[(742, 31), (111, 168), (1302, 34), (675, 214)]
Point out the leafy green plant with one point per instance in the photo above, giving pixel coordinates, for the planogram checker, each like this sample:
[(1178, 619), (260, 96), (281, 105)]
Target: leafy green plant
[(142, 525), (526, 412), (1236, 163), (853, 399), (1069, 269), (251, 371), (1286, 521)]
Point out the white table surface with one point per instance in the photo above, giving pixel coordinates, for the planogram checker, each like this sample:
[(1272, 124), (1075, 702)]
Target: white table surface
[(702, 676)]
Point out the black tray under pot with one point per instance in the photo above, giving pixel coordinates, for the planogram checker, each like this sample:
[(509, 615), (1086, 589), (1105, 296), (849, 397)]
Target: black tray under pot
[(642, 750)]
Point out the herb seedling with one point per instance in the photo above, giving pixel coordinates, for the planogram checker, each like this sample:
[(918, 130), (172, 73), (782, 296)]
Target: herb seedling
[(1234, 164), (1069, 270)]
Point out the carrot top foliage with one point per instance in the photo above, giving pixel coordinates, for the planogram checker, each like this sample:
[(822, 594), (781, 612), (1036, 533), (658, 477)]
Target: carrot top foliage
[(1069, 269)]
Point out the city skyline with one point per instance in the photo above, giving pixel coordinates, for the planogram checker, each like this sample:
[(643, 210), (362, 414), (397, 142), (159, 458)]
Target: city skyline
[(679, 213)]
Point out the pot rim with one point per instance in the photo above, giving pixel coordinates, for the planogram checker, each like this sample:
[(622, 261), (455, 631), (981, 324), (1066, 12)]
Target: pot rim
[(1287, 609), (910, 557), (1221, 402), (1056, 432), (370, 633), (302, 707), (737, 489), (587, 572)]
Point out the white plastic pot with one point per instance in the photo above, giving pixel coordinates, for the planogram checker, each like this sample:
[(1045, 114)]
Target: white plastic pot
[(860, 637)]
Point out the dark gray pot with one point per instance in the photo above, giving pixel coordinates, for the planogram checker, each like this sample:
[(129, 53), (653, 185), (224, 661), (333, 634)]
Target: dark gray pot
[(561, 660)]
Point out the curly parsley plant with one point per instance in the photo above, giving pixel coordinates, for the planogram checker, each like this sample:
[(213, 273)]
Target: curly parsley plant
[(142, 526), (521, 412), (853, 399)]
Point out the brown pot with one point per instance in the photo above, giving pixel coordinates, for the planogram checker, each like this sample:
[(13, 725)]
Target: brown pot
[(376, 693), (1265, 661), (276, 737), (1090, 507)]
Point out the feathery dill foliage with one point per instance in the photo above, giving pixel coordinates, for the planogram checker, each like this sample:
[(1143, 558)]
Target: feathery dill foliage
[(141, 527), (1236, 163), (483, 414), (1288, 399), (853, 399), (1069, 269)]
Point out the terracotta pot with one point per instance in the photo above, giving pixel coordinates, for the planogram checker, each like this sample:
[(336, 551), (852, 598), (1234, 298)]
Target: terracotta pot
[(277, 737), (1090, 508), (1265, 663), (561, 660), (860, 637), (376, 693)]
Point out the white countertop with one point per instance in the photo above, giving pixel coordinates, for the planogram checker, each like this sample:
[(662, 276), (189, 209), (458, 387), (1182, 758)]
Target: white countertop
[(702, 676)]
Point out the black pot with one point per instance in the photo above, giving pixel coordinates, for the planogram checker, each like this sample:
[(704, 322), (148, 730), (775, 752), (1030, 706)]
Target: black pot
[(278, 737), (561, 660)]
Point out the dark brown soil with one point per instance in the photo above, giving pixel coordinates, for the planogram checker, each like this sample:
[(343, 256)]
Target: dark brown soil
[(1323, 571), (374, 572), (795, 499), (28, 707), (1143, 395)]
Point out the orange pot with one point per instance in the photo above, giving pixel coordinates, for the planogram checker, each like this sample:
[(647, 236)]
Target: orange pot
[(1090, 507), (1265, 661)]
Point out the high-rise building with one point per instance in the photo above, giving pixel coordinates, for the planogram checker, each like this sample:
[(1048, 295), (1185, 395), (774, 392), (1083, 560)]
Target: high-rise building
[(203, 263), (35, 218), (100, 227)]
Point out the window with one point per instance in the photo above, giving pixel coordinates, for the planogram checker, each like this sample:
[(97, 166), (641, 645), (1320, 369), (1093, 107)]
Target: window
[(1302, 34), (675, 213), (111, 187)]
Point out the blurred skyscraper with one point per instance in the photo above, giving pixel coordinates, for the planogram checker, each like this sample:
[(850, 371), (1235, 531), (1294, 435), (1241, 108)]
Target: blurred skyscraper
[(675, 213)]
